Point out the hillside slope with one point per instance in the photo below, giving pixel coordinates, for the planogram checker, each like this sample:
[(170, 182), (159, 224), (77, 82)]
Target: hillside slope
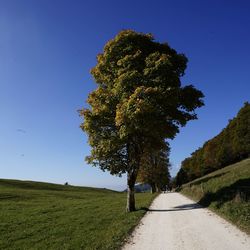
[(226, 192), (35, 215), (231, 145)]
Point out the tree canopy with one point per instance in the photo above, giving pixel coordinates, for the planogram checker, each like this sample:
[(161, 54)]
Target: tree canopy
[(138, 103)]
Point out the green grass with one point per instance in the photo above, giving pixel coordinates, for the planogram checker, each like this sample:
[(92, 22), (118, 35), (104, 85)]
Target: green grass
[(37, 215), (226, 192)]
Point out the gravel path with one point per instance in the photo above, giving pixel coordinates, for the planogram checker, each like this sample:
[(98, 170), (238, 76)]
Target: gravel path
[(177, 223)]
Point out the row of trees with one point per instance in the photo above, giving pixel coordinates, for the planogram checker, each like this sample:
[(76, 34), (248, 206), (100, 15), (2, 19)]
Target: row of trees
[(154, 169), (230, 146), (138, 104)]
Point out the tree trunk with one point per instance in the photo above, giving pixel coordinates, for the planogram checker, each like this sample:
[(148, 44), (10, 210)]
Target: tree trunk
[(153, 188), (131, 199), (131, 178), (134, 154)]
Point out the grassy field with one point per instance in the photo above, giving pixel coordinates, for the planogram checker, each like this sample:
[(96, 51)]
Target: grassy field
[(226, 192), (37, 215)]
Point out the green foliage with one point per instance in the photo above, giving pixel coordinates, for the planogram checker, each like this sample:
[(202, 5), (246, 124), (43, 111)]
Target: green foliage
[(138, 103), (154, 169), (226, 192), (47, 216), (230, 146)]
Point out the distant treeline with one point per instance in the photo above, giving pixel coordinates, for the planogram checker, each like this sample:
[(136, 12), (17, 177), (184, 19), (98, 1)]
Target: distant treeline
[(230, 146)]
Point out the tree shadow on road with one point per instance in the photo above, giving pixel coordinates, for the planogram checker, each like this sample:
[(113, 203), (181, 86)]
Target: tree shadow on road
[(188, 206)]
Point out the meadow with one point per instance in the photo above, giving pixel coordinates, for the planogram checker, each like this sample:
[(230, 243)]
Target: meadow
[(35, 215)]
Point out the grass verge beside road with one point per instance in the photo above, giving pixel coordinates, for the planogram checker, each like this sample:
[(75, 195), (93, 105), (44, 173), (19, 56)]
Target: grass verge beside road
[(226, 192), (37, 215)]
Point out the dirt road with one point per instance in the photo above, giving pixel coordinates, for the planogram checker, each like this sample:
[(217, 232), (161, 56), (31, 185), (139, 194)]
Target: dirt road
[(177, 223)]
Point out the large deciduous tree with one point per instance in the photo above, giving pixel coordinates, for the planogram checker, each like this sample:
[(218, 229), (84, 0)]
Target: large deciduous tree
[(139, 102)]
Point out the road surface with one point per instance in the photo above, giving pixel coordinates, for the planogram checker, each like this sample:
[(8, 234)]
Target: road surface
[(175, 222)]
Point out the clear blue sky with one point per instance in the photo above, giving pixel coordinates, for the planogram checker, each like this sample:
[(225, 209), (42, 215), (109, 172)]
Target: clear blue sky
[(48, 47)]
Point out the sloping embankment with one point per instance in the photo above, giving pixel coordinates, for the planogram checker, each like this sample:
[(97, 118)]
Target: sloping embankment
[(226, 192)]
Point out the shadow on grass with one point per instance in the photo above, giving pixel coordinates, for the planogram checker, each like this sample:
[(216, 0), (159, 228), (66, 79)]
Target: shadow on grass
[(13, 197), (8, 197), (238, 191)]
